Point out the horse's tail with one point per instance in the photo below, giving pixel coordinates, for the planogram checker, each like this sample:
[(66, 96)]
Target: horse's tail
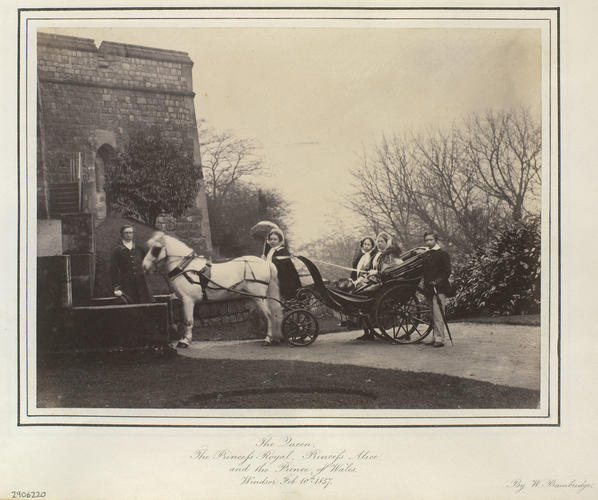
[(274, 305)]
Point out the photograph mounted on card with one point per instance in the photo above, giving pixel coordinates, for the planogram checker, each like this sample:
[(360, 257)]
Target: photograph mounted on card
[(306, 218)]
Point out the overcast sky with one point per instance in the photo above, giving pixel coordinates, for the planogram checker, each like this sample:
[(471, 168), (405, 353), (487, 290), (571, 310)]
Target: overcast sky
[(312, 97)]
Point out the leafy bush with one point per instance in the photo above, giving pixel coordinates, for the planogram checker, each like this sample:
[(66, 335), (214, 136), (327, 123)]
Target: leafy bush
[(502, 277), (232, 218), (152, 175)]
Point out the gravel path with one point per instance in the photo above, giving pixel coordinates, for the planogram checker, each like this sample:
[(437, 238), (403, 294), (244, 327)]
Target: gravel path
[(500, 354)]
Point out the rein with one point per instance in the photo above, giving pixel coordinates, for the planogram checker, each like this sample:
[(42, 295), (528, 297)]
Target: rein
[(286, 257), (205, 279), (186, 260), (402, 256), (334, 265)]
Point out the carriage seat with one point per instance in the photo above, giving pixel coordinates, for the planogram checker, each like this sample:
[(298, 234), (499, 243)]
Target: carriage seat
[(347, 287)]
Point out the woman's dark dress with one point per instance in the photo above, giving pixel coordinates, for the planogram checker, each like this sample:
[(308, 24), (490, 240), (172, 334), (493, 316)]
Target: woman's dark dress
[(387, 258), (288, 278)]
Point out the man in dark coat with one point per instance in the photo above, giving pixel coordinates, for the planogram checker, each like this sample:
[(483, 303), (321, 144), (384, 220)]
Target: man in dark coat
[(437, 269), (128, 279)]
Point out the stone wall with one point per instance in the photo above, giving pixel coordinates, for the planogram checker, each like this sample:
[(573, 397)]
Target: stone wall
[(90, 101), (49, 238)]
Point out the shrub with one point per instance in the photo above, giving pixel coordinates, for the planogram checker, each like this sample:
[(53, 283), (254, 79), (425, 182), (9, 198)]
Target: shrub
[(232, 218), (502, 277), (152, 175)]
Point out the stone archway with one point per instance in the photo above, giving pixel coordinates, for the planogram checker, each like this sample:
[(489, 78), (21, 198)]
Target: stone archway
[(105, 155)]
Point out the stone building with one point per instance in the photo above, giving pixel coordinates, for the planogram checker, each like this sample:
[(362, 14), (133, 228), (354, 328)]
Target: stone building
[(90, 99)]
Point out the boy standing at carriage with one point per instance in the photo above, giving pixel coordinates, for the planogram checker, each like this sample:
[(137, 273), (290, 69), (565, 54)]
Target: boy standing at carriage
[(436, 269), (128, 278)]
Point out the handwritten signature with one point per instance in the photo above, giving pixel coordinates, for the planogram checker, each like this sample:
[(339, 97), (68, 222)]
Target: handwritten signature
[(520, 485)]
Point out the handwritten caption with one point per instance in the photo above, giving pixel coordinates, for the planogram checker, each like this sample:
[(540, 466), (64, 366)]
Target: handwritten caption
[(520, 485), (285, 461)]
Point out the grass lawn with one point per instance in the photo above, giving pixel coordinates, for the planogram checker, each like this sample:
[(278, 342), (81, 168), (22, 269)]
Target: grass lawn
[(144, 380), (522, 319)]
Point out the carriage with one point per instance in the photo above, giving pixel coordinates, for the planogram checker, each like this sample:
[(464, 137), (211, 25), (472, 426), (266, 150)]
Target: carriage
[(391, 306)]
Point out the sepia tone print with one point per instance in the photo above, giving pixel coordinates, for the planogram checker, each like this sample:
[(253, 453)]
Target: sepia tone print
[(378, 249)]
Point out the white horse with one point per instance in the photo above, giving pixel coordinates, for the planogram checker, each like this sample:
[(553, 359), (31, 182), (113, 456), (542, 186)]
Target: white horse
[(248, 275)]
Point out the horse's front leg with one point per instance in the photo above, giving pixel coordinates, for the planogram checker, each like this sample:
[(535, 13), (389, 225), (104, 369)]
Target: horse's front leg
[(187, 338), (273, 334)]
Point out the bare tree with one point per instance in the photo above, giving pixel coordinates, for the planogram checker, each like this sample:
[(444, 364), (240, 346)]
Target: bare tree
[(504, 153), (458, 182), (339, 246), (416, 183), (380, 195), (444, 196), (235, 200), (226, 160)]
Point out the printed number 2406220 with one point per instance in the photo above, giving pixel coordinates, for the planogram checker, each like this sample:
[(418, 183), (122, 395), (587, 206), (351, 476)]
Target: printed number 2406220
[(27, 494)]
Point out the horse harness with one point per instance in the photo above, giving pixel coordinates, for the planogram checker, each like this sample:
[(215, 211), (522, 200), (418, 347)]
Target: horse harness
[(203, 277)]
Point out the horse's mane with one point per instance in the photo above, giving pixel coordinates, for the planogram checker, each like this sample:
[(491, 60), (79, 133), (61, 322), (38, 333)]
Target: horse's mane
[(165, 239)]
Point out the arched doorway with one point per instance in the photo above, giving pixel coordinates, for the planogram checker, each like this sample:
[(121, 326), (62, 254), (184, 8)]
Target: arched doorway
[(105, 155)]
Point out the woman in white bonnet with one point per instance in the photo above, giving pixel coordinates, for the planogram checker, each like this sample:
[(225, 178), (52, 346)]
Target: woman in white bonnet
[(388, 253), (275, 251)]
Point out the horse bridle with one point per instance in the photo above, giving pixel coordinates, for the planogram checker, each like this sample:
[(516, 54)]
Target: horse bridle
[(166, 256), (152, 251)]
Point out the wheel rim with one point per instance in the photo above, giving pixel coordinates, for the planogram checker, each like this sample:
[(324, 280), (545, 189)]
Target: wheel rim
[(406, 321), (300, 327)]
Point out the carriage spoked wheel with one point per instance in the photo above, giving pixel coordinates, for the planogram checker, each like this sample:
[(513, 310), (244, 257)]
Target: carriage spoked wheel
[(401, 312), (300, 327)]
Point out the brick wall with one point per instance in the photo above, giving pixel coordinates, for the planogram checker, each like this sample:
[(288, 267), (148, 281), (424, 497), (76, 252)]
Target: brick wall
[(94, 96), (222, 313)]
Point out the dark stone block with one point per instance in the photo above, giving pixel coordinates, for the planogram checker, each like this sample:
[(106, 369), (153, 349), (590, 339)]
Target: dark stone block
[(81, 264), (237, 306), (77, 233), (175, 310), (105, 327), (54, 284), (54, 292), (83, 277), (215, 321)]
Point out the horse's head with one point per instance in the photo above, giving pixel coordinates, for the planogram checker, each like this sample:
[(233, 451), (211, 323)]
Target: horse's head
[(156, 252)]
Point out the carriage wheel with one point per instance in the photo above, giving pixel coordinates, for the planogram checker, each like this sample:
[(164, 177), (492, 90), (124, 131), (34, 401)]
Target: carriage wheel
[(402, 313), (300, 327)]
